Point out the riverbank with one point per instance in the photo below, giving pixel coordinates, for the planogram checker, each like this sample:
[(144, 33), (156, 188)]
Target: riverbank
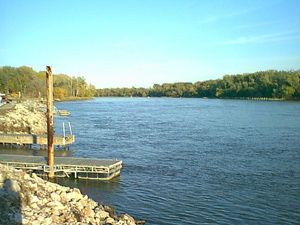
[(69, 99), (26, 117), (29, 200)]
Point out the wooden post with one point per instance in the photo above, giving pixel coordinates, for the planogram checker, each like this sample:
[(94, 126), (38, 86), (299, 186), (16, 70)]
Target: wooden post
[(50, 130)]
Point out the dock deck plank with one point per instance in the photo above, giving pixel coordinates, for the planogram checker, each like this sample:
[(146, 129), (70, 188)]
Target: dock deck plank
[(67, 164), (57, 160)]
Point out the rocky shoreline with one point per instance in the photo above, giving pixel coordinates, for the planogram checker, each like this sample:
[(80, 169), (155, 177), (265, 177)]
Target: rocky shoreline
[(27, 117), (29, 200)]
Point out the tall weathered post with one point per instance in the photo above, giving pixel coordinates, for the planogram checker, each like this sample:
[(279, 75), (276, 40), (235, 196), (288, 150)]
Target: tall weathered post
[(50, 130)]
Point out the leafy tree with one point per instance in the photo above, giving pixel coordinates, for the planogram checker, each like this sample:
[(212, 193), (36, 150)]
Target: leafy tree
[(32, 84), (261, 84)]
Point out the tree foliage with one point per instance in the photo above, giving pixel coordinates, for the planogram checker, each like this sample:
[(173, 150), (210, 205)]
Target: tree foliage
[(33, 84), (263, 84)]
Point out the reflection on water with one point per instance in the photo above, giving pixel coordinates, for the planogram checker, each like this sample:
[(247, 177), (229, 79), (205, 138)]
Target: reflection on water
[(92, 187)]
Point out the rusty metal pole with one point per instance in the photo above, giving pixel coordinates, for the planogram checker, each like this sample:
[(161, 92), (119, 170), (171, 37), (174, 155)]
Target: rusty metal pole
[(50, 130)]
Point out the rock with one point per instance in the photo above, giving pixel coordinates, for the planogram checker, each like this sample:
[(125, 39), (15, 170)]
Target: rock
[(47, 221), (76, 190), (34, 199), (2, 178), (28, 213), (35, 177), (40, 219), (87, 212), (35, 222), (25, 221), (34, 206), (63, 197), (24, 118), (98, 208), (51, 187), (92, 203), (26, 176), (56, 205), (44, 201), (110, 210), (128, 219), (102, 215), (55, 197), (73, 196), (33, 186), (110, 220), (55, 212)]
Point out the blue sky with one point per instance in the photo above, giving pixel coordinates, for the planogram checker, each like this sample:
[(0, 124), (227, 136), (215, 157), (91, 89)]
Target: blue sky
[(141, 42)]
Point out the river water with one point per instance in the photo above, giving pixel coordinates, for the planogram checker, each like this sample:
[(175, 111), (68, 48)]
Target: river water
[(193, 161)]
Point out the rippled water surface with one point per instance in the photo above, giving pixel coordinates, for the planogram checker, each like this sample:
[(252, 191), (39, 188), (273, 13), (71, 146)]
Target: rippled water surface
[(193, 161)]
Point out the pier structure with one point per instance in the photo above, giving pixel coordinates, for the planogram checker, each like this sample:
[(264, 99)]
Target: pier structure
[(82, 168), (31, 139)]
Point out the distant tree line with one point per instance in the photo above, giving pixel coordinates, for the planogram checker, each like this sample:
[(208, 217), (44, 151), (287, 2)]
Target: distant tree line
[(33, 84), (263, 84)]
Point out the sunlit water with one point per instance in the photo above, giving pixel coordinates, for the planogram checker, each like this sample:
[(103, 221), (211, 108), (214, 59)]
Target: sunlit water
[(193, 161)]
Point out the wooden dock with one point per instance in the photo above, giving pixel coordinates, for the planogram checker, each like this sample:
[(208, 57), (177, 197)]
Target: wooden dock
[(30, 139), (83, 168)]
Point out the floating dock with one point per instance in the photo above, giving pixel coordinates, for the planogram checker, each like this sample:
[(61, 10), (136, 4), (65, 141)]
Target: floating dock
[(83, 168), (30, 139)]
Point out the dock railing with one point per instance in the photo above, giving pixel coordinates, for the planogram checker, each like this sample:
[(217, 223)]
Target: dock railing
[(83, 168)]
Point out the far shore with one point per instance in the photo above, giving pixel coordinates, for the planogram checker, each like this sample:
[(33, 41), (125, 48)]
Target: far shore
[(69, 99), (233, 98)]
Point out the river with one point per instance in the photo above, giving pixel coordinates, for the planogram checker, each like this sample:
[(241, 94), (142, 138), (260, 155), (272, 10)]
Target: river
[(193, 161)]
